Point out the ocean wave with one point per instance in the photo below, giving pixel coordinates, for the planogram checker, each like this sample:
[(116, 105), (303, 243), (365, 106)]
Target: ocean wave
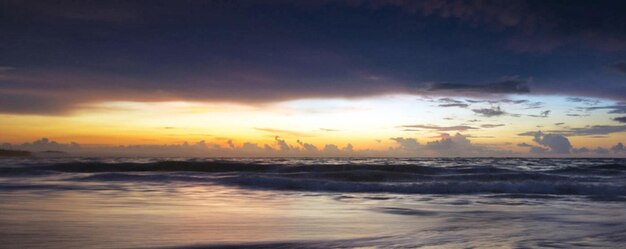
[(595, 169), (418, 167), (435, 176), (378, 242), (570, 187), (470, 184)]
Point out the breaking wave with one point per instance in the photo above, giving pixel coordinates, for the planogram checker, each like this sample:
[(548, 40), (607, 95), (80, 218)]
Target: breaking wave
[(593, 177)]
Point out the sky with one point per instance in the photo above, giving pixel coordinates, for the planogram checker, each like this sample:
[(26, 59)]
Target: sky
[(314, 78)]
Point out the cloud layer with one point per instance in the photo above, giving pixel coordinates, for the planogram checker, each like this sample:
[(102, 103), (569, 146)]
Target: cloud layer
[(559, 144), (59, 56), (447, 145)]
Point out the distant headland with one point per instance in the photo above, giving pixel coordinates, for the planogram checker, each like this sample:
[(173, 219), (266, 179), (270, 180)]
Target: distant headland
[(15, 153)]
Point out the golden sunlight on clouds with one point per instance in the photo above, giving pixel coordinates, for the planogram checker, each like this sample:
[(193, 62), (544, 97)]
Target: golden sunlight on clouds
[(366, 123)]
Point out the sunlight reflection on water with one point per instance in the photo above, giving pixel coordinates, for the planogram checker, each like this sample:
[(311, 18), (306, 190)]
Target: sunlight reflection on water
[(181, 209), (152, 216)]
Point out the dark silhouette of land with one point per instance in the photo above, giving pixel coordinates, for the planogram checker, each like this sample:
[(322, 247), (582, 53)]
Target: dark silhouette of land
[(15, 153), (53, 152)]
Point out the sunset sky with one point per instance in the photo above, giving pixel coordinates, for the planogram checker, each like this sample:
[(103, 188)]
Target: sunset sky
[(314, 78)]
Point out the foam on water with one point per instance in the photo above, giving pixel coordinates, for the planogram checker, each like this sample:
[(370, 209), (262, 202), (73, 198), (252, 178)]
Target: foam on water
[(606, 177), (312, 203)]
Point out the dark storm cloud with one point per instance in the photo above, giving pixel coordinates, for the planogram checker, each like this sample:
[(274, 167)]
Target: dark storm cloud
[(620, 119), (217, 52), (61, 55), (504, 87), (33, 104), (536, 25)]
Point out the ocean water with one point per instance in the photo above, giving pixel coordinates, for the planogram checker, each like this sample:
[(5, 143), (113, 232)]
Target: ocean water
[(312, 203)]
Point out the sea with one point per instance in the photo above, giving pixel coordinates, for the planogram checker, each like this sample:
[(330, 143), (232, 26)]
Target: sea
[(312, 203)]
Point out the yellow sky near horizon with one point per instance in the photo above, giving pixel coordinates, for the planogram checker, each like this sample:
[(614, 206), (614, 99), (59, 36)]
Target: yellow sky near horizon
[(366, 123)]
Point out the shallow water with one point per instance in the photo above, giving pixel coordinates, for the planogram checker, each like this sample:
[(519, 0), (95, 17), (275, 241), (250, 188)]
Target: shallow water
[(312, 203)]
